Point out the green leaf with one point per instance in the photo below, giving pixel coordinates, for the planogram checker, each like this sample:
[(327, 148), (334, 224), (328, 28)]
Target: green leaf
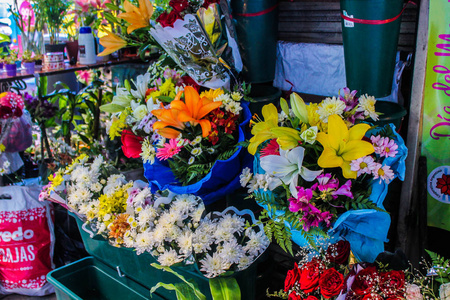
[(84, 139), (112, 108), (180, 289), (78, 118), (65, 126), (195, 289), (112, 6), (165, 98), (109, 17), (91, 106), (224, 288), (284, 106)]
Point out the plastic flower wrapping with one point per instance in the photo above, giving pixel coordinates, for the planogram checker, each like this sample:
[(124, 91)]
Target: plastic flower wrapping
[(320, 169), (171, 227)]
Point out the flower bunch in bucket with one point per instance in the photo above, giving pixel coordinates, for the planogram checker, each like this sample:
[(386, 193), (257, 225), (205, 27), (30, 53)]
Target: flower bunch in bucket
[(321, 166)]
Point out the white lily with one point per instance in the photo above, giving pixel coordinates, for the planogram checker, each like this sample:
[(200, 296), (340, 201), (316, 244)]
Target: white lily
[(122, 97), (141, 85), (288, 166)]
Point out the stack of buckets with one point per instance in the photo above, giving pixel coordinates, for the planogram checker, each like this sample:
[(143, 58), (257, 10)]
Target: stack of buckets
[(53, 61)]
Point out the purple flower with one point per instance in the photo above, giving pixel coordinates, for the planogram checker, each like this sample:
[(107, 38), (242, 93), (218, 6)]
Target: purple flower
[(302, 200), (344, 190)]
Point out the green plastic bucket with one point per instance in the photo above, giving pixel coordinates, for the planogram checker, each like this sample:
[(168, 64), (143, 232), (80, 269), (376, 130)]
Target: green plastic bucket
[(256, 28), (370, 50), (390, 112), (263, 95)]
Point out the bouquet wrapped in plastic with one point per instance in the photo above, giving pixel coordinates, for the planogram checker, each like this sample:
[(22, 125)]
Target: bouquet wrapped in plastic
[(321, 170)]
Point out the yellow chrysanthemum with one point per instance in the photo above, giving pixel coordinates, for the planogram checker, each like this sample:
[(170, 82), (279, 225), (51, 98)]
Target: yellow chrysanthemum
[(314, 117), (56, 180), (167, 87), (211, 94)]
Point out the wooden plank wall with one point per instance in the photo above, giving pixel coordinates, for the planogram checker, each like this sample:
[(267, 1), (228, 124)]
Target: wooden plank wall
[(320, 22)]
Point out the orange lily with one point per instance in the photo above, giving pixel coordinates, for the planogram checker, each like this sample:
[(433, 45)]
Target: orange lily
[(112, 43), (138, 17), (193, 109), (169, 125)]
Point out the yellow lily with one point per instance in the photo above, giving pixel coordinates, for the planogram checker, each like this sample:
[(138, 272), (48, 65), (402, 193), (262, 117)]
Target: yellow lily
[(287, 138), (193, 109), (138, 17), (112, 43), (262, 130), (342, 145)]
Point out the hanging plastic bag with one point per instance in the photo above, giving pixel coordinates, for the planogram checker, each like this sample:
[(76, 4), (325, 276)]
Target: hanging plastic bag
[(26, 241), (19, 136)]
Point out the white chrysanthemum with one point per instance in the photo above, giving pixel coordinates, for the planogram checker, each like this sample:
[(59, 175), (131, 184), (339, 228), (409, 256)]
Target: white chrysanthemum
[(367, 105), (196, 151), (139, 199), (144, 240), (330, 106), (148, 153), (213, 265), (197, 214), (191, 160), (245, 177), (173, 232), (231, 252), (159, 234), (225, 98), (223, 234), (96, 187), (197, 140), (258, 242), (233, 107), (169, 257), (202, 241), (97, 163), (245, 262), (184, 241), (232, 223), (146, 216), (183, 206)]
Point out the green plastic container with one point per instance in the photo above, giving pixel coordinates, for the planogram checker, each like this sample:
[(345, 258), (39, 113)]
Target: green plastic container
[(89, 278), (257, 29), (137, 267), (390, 113), (263, 95), (370, 50)]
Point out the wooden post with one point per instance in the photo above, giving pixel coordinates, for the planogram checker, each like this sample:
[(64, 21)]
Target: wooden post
[(414, 136)]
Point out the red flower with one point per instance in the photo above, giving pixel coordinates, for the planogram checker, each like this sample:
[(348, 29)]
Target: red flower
[(331, 283), (149, 91), (365, 281), (291, 278), (372, 297), (309, 278), (339, 252), (294, 296), (206, 3), (179, 5), (167, 19), (392, 284), (443, 184), (187, 80), (310, 297), (272, 148), (131, 144)]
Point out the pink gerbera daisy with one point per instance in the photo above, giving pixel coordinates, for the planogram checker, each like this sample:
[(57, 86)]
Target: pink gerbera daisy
[(168, 150), (272, 148)]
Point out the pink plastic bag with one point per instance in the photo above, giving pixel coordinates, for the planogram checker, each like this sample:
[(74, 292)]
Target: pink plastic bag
[(26, 241), (19, 136)]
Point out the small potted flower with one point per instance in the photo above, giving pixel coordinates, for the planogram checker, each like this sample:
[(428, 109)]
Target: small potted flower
[(10, 64), (28, 62)]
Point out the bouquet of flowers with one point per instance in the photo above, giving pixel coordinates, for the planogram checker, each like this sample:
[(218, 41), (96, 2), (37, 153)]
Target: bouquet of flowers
[(320, 168), (329, 275), (198, 35), (198, 150)]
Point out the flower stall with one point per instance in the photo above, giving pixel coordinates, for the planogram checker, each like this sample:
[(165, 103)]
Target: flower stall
[(265, 151)]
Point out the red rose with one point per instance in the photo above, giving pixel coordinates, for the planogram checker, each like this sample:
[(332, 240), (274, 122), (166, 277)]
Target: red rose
[(131, 144), (309, 278), (167, 19), (365, 281), (294, 296), (392, 283), (372, 297), (206, 3), (291, 278), (339, 252), (311, 298), (187, 80), (331, 283), (179, 5)]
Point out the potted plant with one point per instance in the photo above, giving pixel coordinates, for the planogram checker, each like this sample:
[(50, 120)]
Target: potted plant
[(4, 42), (10, 64), (70, 28), (29, 61), (53, 12)]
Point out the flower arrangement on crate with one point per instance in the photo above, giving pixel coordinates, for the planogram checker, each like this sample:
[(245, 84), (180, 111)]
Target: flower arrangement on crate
[(168, 226), (197, 35), (320, 168)]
